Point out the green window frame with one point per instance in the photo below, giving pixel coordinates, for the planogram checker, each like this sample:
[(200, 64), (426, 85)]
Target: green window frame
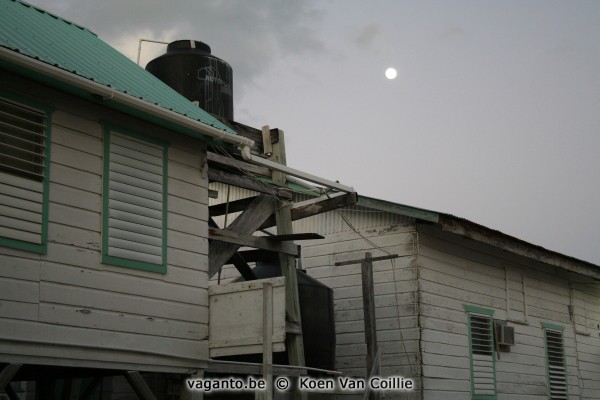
[(556, 366), (482, 357), (25, 139), (134, 212)]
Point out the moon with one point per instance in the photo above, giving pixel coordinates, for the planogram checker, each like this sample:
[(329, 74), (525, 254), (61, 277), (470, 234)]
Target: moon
[(391, 73)]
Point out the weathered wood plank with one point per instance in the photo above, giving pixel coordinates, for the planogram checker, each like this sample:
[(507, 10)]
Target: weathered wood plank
[(232, 207), (317, 208), (91, 299), (187, 174), (283, 220), (260, 242), (76, 178), (118, 321), (115, 282), (188, 191), (19, 290), (77, 140), (76, 159), (246, 224)]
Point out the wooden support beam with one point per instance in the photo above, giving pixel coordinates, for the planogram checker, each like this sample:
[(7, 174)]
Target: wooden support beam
[(242, 266), (295, 236), (283, 220), (139, 385), (7, 373), (317, 208), (368, 293), (244, 225), (257, 255), (266, 138), (237, 260), (247, 182), (234, 206), (259, 242), (267, 341), (214, 158)]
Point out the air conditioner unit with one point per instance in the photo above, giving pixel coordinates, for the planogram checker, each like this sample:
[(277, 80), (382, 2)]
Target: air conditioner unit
[(505, 335)]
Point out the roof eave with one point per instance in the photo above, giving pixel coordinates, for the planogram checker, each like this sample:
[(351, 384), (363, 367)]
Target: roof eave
[(480, 233), (116, 99)]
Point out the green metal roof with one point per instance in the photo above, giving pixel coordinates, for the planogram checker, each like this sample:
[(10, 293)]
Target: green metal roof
[(40, 35)]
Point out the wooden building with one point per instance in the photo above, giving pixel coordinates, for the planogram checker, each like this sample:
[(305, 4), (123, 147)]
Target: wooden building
[(470, 312), (105, 245), (467, 311), (108, 244)]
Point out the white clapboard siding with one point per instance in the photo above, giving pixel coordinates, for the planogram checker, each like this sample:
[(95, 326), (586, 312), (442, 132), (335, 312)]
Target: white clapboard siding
[(135, 220), (394, 283)]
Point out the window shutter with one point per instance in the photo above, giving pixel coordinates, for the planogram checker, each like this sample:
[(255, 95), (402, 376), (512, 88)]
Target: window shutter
[(482, 355), (557, 374), (23, 152), (136, 200)]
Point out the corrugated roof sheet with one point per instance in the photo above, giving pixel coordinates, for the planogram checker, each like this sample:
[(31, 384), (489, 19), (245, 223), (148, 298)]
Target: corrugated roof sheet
[(38, 34)]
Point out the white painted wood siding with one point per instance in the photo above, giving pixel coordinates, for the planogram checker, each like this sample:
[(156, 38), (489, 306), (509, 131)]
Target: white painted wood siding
[(455, 272), (67, 307), (396, 296)]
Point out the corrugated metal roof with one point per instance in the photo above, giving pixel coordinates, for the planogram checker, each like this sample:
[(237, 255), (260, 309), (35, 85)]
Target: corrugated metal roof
[(40, 35)]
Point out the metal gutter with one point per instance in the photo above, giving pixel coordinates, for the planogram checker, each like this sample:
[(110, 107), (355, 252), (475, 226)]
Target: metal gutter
[(127, 100), (108, 93)]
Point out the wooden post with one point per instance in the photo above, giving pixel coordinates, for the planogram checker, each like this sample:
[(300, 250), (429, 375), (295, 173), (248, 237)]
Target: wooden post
[(267, 341), (368, 292), (283, 218)]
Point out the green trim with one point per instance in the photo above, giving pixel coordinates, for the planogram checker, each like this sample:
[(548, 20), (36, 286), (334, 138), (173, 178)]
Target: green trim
[(488, 313), (554, 327), (478, 310), (548, 326), (123, 262), (39, 248)]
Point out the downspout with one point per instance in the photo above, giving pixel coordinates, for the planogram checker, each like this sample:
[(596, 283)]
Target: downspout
[(119, 97)]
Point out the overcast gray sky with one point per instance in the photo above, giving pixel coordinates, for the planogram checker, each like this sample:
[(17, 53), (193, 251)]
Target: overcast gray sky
[(494, 115)]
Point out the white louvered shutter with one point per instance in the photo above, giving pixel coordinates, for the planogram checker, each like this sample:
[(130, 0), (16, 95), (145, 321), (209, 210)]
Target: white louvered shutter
[(557, 374), (135, 200), (482, 347), (23, 151)]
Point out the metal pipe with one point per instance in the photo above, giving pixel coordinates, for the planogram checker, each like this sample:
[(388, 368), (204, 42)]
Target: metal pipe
[(140, 47), (247, 155), (121, 98)]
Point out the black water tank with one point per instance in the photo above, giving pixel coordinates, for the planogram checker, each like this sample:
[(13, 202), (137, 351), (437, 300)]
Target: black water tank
[(190, 69), (318, 320)]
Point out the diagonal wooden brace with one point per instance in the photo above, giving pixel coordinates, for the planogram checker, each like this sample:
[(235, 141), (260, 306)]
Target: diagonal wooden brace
[(7, 373), (246, 223)]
